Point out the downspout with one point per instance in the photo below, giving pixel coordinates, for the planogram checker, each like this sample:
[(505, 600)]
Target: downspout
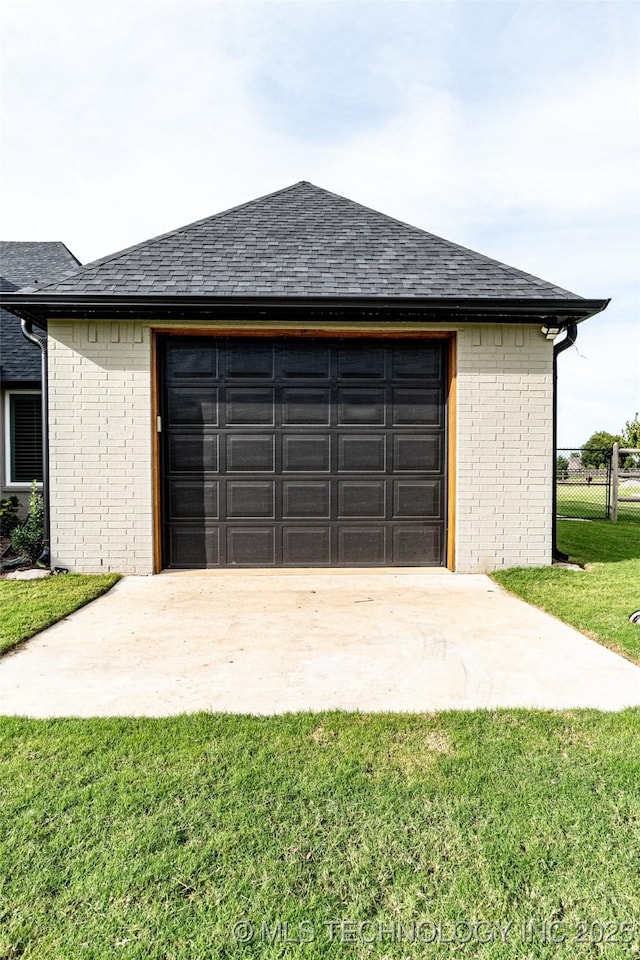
[(44, 560), (569, 340)]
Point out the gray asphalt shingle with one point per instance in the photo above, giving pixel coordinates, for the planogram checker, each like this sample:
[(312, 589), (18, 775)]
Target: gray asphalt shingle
[(26, 263), (302, 241)]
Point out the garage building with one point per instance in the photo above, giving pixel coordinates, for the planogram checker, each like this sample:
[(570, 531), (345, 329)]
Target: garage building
[(300, 382)]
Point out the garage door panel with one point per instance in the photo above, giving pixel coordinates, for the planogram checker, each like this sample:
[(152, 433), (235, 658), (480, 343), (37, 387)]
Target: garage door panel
[(417, 545), (417, 498), (301, 453), (195, 453), (362, 360), (251, 500), (192, 405), (417, 407), (192, 360), (419, 454), (417, 364), (250, 406), (250, 453), (361, 406), (362, 546), (302, 499), (251, 545), (308, 360), (361, 498), (306, 454), (250, 359), (193, 499), (362, 454), (302, 406), (194, 546), (306, 546)]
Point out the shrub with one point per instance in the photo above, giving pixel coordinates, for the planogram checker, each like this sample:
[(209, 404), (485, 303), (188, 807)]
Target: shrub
[(27, 538), (8, 515)]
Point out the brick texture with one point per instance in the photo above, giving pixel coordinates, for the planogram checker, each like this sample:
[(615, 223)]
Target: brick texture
[(504, 447), (100, 448)]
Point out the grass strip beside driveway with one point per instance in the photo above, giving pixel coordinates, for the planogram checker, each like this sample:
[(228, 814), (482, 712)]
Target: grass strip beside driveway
[(27, 606), (147, 839), (599, 600)]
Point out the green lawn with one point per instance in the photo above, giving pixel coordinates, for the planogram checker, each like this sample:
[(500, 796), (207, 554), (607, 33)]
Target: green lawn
[(31, 605), (154, 839), (597, 601), (599, 541), (590, 501), (582, 500)]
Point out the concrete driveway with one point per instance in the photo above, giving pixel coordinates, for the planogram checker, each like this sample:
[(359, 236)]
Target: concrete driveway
[(255, 642)]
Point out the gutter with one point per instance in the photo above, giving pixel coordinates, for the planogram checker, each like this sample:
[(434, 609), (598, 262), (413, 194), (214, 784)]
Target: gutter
[(569, 340), (45, 306), (44, 560)]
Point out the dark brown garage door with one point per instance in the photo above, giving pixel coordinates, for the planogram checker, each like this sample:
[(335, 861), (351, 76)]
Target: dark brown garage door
[(303, 452)]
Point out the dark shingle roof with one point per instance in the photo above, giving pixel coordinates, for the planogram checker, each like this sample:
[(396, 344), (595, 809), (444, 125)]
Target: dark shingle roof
[(23, 263), (302, 241)]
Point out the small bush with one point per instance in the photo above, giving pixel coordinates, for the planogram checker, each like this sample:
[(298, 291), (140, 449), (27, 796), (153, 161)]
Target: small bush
[(27, 538), (8, 515)]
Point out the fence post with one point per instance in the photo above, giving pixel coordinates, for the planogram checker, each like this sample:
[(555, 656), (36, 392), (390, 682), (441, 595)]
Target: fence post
[(614, 483)]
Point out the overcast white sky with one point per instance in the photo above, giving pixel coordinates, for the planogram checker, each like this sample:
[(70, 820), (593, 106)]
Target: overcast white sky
[(509, 127)]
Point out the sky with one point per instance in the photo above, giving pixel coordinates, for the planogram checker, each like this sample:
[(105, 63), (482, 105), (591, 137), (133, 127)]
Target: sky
[(511, 127)]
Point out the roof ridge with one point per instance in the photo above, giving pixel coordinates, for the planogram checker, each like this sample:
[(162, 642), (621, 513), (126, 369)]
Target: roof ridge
[(173, 233)]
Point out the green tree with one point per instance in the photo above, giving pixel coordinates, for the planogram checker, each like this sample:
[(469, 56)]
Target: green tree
[(597, 450), (631, 434), (562, 466)]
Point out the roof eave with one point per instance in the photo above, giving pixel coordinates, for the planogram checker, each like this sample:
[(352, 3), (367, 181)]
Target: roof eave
[(44, 307)]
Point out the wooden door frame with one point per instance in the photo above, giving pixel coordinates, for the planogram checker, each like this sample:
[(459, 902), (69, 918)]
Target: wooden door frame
[(407, 331)]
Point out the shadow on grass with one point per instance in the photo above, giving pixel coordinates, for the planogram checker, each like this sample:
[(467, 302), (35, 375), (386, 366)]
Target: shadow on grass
[(599, 541)]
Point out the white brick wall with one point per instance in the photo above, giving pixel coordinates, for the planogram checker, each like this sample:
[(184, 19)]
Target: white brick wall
[(101, 430), (504, 448), (100, 447)]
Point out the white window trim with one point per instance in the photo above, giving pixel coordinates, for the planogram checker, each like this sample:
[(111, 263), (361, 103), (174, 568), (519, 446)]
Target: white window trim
[(8, 483)]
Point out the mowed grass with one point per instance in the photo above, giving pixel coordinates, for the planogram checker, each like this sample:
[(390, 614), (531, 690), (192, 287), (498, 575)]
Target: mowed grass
[(599, 600), (153, 839), (590, 500), (27, 606)]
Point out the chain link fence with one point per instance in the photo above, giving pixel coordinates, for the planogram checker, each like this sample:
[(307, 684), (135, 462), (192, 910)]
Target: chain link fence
[(584, 485)]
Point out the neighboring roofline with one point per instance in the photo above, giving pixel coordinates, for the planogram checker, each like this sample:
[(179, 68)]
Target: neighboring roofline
[(63, 244), (45, 243), (42, 306)]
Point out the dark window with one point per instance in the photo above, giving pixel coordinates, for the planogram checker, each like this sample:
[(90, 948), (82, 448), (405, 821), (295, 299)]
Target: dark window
[(25, 432)]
